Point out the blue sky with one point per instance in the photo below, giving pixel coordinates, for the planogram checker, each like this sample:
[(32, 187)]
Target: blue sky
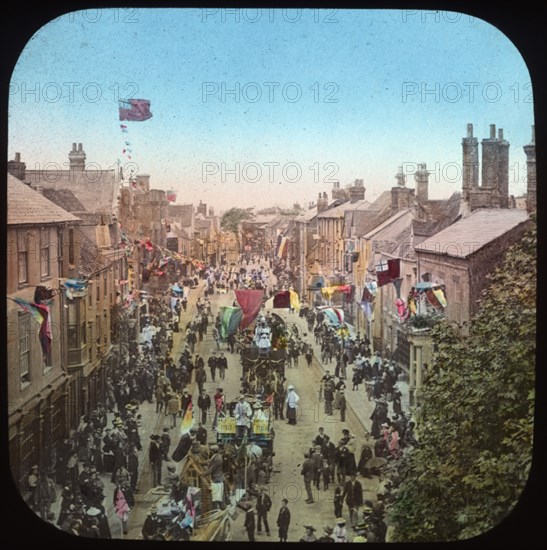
[(344, 94)]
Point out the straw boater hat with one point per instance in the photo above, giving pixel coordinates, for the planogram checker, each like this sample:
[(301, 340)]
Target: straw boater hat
[(93, 511), (310, 527), (340, 521)]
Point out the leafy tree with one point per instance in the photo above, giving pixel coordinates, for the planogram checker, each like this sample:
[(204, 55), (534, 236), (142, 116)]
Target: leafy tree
[(231, 221), (477, 411)]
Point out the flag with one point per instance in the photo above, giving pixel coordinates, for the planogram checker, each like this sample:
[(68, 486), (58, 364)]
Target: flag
[(135, 110), (282, 247), (171, 196), (187, 419), (250, 302), (367, 295), (230, 319), (397, 285), (294, 300), (387, 271), (40, 314), (367, 309), (121, 506), (439, 294)]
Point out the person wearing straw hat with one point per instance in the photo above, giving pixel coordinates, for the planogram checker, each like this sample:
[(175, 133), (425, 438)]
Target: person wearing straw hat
[(308, 536), (340, 532), (292, 403)]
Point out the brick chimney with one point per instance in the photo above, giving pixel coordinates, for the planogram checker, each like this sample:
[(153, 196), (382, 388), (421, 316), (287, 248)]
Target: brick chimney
[(76, 158), (337, 193), (503, 170), (322, 202), (17, 168), (143, 182), (421, 177), (531, 191), (470, 179), (401, 196), (489, 178), (357, 191)]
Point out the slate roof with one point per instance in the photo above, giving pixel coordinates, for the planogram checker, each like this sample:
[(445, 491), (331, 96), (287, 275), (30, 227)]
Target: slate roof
[(64, 198), (339, 211), (466, 236), (28, 207)]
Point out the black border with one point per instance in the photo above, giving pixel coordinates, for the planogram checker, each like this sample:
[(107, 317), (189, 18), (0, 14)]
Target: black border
[(523, 26)]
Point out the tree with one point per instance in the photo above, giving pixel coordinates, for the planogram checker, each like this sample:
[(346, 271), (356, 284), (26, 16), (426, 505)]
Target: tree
[(476, 436), (231, 220)]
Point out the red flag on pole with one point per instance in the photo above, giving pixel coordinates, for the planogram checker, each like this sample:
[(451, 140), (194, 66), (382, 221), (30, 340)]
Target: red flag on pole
[(388, 271), (135, 110)]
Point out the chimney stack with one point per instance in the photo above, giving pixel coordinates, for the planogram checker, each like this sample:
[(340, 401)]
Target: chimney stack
[(503, 170), (17, 168), (357, 192), (490, 161), (400, 177), (336, 192), (421, 177), (322, 203), (76, 158), (470, 179), (531, 190)]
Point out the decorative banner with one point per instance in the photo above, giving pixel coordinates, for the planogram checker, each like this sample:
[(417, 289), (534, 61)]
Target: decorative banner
[(328, 291), (230, 319), (135, 110), (187, 419), (75, 288), (334, 315), (171, 196), (250, 302), (43, 295)]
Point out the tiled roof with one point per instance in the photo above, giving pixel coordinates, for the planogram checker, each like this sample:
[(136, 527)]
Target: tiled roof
[(466, 236), (27, 207), (338, 211)]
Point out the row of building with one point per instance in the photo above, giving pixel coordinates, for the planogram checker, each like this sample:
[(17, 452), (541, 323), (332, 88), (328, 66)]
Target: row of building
[(80, 243), (443, 247)]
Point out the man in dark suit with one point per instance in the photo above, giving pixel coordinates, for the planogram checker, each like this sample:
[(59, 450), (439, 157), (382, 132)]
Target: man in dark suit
[(353, 496), (263, 505)]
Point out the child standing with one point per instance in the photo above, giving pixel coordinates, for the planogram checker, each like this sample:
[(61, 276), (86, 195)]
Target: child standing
[(338, 503)]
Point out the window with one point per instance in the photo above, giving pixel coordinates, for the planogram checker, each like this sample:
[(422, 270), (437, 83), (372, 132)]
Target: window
[(44, 252), (98, 289), (24, 348), (73, 326), (105, 284), (22, 257)]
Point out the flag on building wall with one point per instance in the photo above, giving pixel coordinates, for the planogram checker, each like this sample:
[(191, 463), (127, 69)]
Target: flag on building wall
[(250, 302), (171, 196), (135, 110), (230, 319), (40, 313), (387, 271)]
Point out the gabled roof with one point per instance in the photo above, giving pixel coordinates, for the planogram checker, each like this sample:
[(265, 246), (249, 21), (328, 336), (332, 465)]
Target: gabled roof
[(440, 214), (28, 207), (465, 237), (406, 212)]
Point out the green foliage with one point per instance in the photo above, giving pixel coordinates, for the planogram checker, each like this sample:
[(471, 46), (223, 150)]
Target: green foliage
[(231, 220), (477, 404)]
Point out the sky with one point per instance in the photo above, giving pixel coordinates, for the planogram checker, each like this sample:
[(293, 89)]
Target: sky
[(261, 107)]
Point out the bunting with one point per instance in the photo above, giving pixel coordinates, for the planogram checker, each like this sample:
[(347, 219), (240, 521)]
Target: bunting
[(328, 291), (282, 247), (136, 110)]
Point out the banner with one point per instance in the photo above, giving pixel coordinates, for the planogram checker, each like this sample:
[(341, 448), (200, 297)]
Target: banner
[(40, 313), (135, 110), (387, 271), (187, 419), (250, 302)]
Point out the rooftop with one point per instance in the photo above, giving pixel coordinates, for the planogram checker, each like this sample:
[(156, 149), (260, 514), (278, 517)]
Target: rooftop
[(466, 236), (339, 211), (28, 207)]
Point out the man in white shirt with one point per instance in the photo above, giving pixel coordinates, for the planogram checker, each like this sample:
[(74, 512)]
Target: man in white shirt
[(292, 404), (243, 414)]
